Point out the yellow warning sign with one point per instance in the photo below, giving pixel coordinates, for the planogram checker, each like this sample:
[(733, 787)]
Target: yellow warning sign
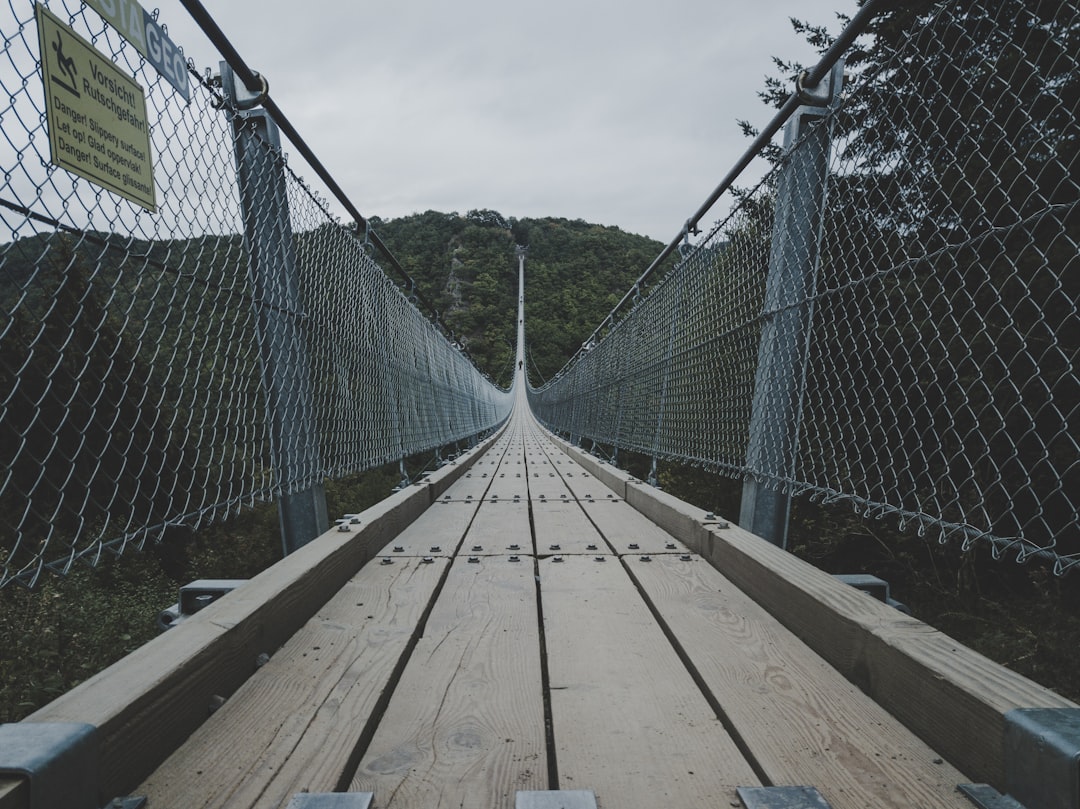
[(96, 114)]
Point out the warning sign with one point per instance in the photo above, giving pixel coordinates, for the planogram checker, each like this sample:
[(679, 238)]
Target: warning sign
[(96, 114)]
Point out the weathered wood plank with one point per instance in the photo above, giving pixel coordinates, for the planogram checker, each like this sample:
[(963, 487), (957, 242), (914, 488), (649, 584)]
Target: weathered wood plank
[(614, 478), (565, 524), (510, 480), (953, 698), (442, 526), (498, 526), (147, 704), (629, 722), (623, 526), (470, 486), (295, 724), (465, 726), (802, 721)]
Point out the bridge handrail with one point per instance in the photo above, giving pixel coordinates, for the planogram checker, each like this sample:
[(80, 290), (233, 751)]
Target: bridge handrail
[(172, 356), (888, 318)]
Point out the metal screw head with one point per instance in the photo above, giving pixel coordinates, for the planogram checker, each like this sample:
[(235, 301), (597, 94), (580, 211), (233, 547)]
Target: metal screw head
[(515, 558), (646, 558), (474, 560), (590, 547), (634, 546), (477, 547), (685, 557), (554, 547), (344, 528), (599, 558), (436, 549), (514, 547), (399, 549), (710, 516), (670, 546), (387, 561), (556, 559), (427, 560)]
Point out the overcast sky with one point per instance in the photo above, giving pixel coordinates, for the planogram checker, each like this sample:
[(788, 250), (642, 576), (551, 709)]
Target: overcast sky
[(614, 111)]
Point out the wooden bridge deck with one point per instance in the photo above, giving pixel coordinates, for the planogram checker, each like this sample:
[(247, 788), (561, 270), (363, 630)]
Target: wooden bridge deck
[(531, 629)]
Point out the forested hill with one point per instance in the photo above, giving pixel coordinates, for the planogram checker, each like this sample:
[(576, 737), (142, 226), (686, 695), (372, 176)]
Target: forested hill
[(575, 273)]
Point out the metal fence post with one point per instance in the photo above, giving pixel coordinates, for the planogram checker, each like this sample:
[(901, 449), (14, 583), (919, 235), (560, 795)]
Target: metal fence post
[(786, 316), (294, 440)]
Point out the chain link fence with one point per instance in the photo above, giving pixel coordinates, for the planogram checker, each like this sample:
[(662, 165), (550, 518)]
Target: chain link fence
[(138, 348), (890, 318)]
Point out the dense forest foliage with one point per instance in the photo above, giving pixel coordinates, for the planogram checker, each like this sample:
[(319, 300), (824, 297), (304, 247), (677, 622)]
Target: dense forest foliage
[(575, 273)]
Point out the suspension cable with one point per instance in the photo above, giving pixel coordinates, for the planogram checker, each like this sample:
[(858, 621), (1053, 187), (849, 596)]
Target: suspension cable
[(855, 27), (256, 84)]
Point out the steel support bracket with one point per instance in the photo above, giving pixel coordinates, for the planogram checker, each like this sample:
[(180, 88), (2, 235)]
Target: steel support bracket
[(1042, 757), (824, 92), (331, 800), (555, 799), (782, 798), (986, 797), (242, 97), (60, 759)]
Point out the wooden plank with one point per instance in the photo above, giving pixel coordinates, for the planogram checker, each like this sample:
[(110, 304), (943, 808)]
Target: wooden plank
[(614, 478), (629, 722), (623, 526), (583, 485), (565, 525), (148, 703), (950, 696), (442, 526), (496, 527), (545, 480), (465, 726), (511, 480), (295, 724), (470, 486), (801, 720)]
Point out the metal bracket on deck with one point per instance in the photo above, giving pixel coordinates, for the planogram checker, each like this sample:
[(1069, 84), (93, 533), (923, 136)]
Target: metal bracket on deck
[(1042, 761), (60, 759), (782, 798), (193, 597), (331, 800), (555, 799), (1042, 756), (986, 797), (872, 586)]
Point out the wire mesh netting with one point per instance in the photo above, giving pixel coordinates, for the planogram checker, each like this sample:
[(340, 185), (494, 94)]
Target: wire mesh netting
[(132, 343), (933, 371)]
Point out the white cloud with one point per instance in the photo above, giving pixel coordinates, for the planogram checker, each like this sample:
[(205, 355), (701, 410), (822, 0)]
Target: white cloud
[(621, 113)]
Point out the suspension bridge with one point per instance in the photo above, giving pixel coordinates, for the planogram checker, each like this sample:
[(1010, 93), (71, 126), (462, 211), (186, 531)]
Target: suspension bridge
[(888, 319)]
